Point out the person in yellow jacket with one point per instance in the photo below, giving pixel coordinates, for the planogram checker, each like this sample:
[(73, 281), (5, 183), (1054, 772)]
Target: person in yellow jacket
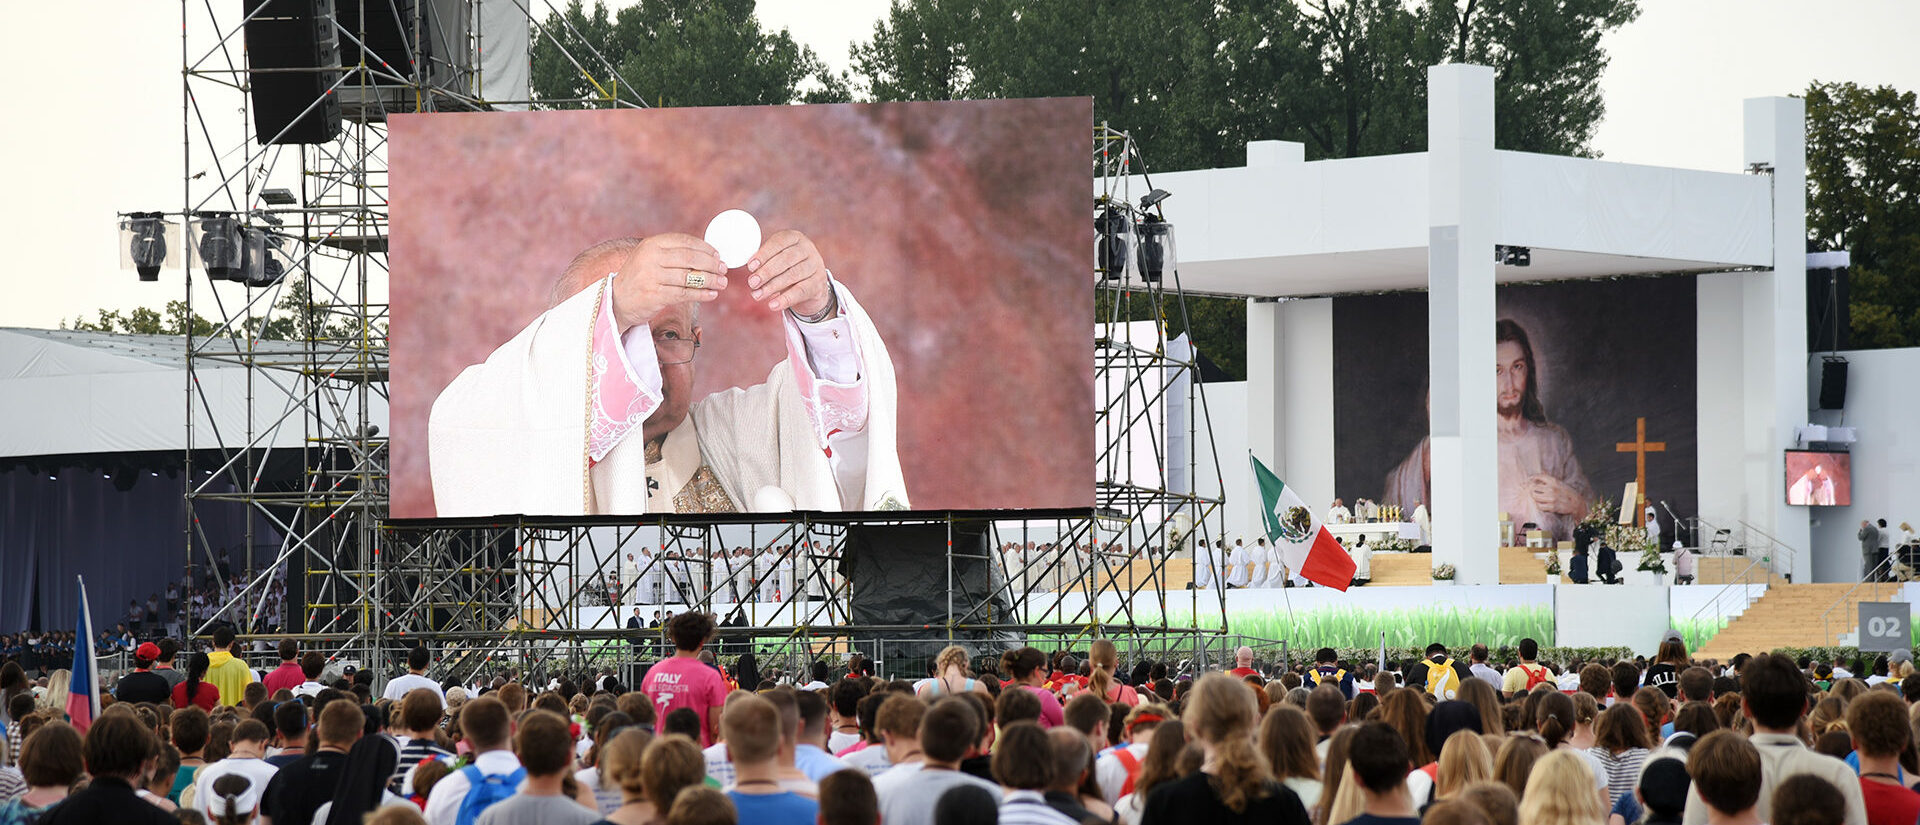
[(226, 671)]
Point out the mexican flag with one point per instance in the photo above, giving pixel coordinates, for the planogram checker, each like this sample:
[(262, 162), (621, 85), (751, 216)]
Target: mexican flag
[(1306, 546)]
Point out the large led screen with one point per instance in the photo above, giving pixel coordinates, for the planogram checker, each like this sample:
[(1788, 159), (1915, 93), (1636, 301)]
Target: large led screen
[(1819, 479), (908, 330)]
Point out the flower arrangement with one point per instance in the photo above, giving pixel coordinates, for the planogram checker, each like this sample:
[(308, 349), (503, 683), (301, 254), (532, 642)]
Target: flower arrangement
[(1553, 560), (1444, 573), (1395, 545)]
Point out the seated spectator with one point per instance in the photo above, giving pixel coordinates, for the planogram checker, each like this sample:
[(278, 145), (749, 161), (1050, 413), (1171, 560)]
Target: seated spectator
[(235, 800), (1027, 666), (194, 690), (1560, 791), (1118, 769), (1236, 785), (245, 756), (1023, 763), (299, 789), (1808, 800), (703, 806), (51, 760), (752, 728), (909, 791), (116, 750), (847, 798), (1620, 743), (1067, 792), (1878, 724), (144, 685), (485, 724), (1773, 695), (420, 715), (966, 805), (810, 754), (190, 729), (899, 725), (1287, 740), (1497, 802), (1727, 776), (545, 747)]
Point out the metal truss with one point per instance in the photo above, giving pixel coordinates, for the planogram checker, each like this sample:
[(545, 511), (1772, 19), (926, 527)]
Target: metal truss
[(532, 596)]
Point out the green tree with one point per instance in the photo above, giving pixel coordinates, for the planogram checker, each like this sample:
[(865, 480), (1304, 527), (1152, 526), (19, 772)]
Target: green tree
[(1194, 81), (295, 316), (1863, 195), (694, 53)]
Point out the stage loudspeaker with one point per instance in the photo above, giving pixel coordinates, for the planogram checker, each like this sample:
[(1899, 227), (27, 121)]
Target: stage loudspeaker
[(386, 29), (1833, 384), (293, 60), (897, 575)]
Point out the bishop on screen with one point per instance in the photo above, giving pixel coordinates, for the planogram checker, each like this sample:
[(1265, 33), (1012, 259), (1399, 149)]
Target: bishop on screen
[(588, 410)]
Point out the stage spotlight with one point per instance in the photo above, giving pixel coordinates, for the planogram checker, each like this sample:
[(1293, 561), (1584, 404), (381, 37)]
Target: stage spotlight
[(145, 246), (1156, 248), (278, 196), (1154, 198), (257, 262), (218, 237), (1512, 255), (1111, 245)]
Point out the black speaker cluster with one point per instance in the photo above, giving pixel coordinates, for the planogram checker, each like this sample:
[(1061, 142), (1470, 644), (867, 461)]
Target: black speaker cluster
[(293, 62)]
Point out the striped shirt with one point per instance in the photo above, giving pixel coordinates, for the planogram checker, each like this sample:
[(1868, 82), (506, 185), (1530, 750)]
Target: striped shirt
[(412, 752), (1623, 770)]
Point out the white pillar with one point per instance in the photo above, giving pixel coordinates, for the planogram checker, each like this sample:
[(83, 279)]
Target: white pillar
[(1266, 378), (1460, 317), (1775, 329), (1266, 389)]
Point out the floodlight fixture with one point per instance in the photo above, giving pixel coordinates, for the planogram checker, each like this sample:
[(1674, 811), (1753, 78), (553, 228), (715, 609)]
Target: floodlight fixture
[(147, 244), (1156, 248), (1110, 247), (1153, 199), (258, 265), (217, 240), (278, 196)]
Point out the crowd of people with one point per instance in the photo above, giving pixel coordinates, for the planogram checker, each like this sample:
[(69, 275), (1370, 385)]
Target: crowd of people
[(1076, 736)]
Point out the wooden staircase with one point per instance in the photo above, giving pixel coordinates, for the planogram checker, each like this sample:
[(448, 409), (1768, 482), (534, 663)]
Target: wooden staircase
[(1730, 569), (1789, 615)]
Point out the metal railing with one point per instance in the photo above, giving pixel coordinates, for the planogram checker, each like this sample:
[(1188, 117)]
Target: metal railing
[(1881, 574), (1736, 594), (1779, 554)]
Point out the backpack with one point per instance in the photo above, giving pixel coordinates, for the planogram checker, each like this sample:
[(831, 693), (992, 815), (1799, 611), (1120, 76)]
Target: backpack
[(1536, 675), (1442, 681), (1321, 677), (485, 789)]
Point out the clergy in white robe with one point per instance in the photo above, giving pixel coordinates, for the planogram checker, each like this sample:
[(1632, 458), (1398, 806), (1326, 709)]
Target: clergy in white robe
[(1271, 568), (1237, 563), (1338, 513), (1206, 563), (588, 410), (1423, 521)]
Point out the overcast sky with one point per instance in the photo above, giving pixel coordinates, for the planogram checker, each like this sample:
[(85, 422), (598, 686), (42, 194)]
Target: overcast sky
[(95, 112)]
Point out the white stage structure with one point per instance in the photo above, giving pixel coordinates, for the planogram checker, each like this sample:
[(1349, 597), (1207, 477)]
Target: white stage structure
[(1290, 233)]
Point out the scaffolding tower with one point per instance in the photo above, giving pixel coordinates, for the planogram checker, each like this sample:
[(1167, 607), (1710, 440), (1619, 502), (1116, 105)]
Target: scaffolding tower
[(301, 309)]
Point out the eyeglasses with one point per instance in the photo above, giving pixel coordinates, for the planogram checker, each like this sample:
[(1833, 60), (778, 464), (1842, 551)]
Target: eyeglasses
[(674, 349)]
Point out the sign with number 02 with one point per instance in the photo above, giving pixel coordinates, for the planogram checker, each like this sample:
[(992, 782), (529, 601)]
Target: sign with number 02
[(1885, 626)]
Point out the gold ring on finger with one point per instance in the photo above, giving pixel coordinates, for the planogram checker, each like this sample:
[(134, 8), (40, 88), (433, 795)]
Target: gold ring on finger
[(696, 279)]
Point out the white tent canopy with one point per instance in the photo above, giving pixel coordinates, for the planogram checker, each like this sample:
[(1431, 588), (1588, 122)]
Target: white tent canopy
[(66, 392)]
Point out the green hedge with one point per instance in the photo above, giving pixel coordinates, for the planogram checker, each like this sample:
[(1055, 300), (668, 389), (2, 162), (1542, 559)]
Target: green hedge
[(1346, 627)]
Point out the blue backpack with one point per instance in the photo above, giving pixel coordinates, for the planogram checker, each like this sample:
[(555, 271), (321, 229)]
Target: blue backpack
[(484, 789)]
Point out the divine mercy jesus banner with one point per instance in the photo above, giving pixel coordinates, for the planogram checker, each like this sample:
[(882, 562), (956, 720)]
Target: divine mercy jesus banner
[(1595, 384)]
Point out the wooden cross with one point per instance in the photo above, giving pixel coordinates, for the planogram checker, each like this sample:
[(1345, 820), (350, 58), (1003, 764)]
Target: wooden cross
[(1639, 446)]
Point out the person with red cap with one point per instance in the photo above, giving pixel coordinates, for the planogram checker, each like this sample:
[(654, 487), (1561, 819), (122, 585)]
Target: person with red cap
[(144, 685)]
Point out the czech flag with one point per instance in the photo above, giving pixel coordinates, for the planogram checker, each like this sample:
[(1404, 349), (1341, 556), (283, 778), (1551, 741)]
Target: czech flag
[(83, 691), (1307, 547)]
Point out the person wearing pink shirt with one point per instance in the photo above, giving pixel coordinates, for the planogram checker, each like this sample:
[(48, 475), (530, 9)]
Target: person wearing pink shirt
[(683, 681)]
